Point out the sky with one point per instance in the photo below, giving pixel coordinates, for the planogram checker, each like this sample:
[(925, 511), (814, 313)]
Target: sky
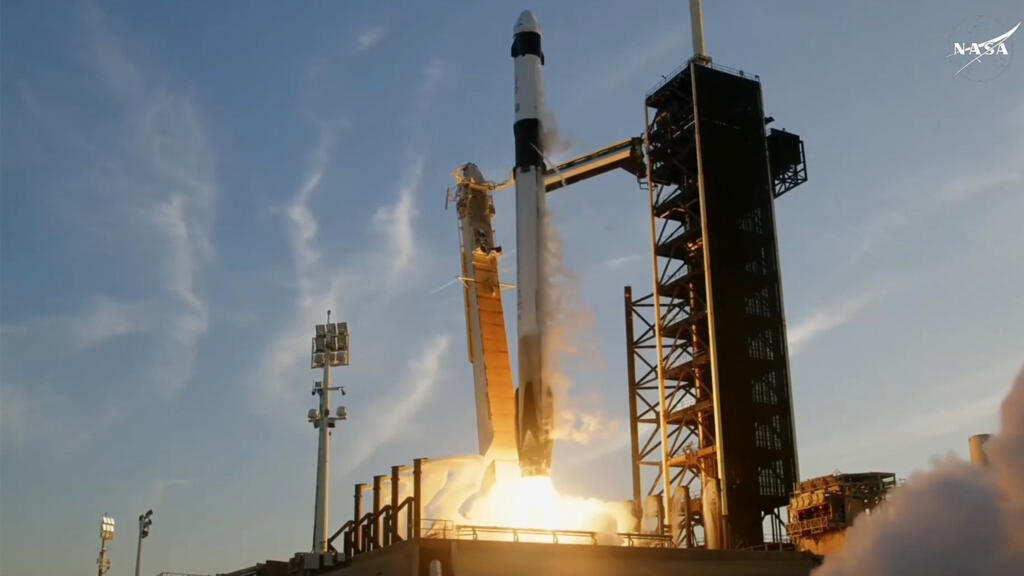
[(187, 188)]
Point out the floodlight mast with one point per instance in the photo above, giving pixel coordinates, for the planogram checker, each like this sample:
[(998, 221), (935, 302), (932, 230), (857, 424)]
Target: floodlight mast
[(323, 467), (330, 348), (106, 535), (145, 521)]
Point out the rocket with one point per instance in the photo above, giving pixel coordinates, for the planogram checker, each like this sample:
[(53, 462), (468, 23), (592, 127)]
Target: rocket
[(534, 400)]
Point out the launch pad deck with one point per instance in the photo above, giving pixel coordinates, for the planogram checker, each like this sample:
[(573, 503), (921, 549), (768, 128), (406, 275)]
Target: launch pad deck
[(496, 558)]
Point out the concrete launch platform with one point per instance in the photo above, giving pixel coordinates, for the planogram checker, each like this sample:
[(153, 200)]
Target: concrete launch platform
[(491, 558)]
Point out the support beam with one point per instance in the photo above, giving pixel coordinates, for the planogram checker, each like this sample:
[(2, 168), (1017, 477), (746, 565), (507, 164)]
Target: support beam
[(417, 496), (376, 532), (396, 472)]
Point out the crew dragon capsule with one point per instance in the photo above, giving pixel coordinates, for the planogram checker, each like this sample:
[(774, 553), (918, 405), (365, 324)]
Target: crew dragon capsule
[(534, 400)]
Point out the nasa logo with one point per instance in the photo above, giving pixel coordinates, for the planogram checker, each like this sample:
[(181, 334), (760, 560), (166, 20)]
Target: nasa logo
[(961, 49), (985, 60)]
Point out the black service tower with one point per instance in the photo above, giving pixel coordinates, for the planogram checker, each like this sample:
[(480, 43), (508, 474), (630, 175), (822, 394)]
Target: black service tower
[(710, 395)]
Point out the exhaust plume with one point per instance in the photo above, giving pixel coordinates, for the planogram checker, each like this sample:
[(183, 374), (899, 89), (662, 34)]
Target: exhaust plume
[(551, 137), (457, 489), (954, 519), (565, 322)]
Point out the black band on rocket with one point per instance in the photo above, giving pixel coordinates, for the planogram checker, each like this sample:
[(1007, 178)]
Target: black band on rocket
[(524, 43), (527, 133)]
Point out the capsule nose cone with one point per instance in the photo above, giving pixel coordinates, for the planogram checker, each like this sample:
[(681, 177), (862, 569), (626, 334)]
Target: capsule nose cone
[(527, 22)]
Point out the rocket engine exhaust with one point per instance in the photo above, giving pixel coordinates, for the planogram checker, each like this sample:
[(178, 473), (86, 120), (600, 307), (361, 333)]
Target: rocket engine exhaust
[(534, 399)]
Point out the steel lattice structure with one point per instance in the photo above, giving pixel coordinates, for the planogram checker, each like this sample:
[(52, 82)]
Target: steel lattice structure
[(707, 363)]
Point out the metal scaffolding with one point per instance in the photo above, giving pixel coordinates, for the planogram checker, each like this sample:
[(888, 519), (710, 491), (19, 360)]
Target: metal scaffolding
[(666, 331), (707, 362)]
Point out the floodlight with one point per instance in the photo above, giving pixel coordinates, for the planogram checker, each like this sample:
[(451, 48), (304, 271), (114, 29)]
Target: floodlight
[(145, 521), (107, 528), (330, 345), (342, 413), (339, 358)]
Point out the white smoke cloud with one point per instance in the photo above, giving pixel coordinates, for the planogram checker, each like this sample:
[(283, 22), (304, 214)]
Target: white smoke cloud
[(551, 139), (953, 519), (448, 483), (565, 323)]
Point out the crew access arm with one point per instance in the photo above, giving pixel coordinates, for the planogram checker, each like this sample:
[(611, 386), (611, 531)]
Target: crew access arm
[(496, 408), (485, 317)]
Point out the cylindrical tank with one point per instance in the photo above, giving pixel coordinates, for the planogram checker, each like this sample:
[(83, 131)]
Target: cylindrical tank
[(977, 444), (712, 508)]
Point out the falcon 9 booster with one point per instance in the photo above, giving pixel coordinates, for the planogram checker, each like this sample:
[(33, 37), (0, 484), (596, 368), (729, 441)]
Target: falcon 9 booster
[(534, 399)]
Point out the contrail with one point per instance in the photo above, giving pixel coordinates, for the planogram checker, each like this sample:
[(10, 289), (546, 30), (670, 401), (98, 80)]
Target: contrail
[(445, 285)]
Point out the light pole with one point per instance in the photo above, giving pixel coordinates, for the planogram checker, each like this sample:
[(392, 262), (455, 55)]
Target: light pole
[(145, 520), (330, 348), (106, 535)]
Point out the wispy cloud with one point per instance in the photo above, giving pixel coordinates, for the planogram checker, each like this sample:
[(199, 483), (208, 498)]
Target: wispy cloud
[(105, 320), (364, 285), (836, 315), (396, 410), (191, 321), (29, 416), (317, 289), (323, 284), (433, 74), (369, 38), (931, 419), (19, 412), (396, 221), (89, 429), (622, 261), (964, 190), (162, 486), (912, 211), (628, 64), (303, 226), (172, 180)]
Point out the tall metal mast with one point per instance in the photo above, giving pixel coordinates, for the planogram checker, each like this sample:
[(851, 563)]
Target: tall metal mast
[(330, 348), (145, 521), (697, 29), (106, 535)]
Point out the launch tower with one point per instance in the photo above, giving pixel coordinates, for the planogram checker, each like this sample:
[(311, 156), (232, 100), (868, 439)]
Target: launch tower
[(710, 396)]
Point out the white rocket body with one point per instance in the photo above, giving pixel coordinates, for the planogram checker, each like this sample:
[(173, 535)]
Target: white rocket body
[(534, 417)]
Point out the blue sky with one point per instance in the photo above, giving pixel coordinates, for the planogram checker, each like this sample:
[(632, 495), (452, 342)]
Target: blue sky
[(187, 187)]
